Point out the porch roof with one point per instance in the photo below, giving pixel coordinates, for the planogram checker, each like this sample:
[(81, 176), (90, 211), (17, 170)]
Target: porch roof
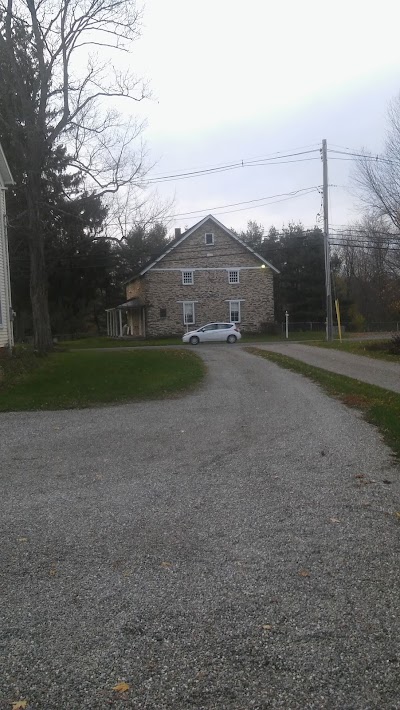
[(130, 304)]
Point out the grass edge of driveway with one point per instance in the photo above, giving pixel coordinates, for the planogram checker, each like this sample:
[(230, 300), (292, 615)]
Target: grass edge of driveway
[(376, 349), (378, 406)]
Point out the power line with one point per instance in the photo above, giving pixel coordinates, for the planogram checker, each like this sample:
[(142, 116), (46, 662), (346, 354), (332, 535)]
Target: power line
[(364, 232), (278, 160), (269, 156), (373, 158), (265, 204), (209, 210), (384, 239), (390, 250)]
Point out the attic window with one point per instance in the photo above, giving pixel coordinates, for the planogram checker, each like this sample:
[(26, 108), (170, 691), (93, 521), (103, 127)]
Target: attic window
[(209, 238), (234, 276), (187, 277)]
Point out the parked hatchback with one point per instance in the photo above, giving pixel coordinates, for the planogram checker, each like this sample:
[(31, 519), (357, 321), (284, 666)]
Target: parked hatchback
[(213, 332)]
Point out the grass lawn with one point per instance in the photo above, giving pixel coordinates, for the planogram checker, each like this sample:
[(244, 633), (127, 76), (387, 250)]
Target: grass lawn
[(370, 348), (65, 380), (379, 406), (105, 342)]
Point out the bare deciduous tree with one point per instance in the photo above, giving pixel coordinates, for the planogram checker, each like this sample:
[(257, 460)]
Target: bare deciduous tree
[(62, 87), (379, 177), (369, 267)]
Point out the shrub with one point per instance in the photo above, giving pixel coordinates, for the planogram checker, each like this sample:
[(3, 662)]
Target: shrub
[(395, 344)]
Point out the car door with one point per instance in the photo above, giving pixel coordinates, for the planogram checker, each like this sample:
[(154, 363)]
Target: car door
[(223, 331), (215, 333), (209, 333)]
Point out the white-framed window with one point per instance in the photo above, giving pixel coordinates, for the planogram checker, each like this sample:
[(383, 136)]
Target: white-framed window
[(209, 238), (234, 311), (188, 312), (233, 276), (187, 277)]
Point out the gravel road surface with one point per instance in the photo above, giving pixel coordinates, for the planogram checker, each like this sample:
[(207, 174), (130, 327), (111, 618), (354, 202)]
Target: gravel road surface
[(233, 549), (367, 369)]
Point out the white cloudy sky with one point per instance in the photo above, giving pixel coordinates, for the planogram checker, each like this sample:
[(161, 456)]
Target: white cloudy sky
[(236, 80)]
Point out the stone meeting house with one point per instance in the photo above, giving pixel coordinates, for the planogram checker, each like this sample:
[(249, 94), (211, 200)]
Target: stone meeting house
[(206, 274)]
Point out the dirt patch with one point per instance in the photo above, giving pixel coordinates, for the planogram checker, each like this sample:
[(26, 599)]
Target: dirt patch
[(355, 400)]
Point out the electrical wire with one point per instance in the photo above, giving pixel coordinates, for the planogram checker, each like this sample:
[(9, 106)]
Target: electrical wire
[(209, 210), (264, 204), (269, 156), (373, 158), (358, 231), (278, 160)]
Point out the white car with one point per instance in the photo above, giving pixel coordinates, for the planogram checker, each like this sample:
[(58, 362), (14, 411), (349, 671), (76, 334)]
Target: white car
[(213, 332)]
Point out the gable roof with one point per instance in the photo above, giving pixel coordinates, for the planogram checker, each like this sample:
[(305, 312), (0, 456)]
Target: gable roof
[(178, 240), (5, 171)]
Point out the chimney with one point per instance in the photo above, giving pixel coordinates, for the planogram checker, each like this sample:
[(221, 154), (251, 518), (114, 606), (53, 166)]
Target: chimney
[(177, 232)]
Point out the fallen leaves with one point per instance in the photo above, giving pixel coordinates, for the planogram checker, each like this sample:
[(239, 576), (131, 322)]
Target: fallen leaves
[(121, 687), (362, 480), (22, 539), (267, 627), (166, 565), (334, 520), (19, 705), (304, 573)]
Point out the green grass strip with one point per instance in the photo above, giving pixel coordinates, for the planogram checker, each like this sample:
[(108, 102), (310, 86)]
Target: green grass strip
[(104, 342), (377, 349), (379, 406), (67, 380)]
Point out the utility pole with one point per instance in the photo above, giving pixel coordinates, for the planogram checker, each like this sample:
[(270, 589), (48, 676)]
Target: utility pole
[(328, 290)]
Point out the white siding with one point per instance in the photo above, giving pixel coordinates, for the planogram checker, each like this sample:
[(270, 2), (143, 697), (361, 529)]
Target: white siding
[(5, 325)]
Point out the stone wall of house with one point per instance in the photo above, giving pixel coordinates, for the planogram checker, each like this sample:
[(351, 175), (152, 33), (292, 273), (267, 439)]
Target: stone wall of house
[(210, 292), (164, 292)]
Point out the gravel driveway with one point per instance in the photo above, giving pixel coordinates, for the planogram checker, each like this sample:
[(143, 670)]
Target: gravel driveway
[(376, 372), (233, 549)]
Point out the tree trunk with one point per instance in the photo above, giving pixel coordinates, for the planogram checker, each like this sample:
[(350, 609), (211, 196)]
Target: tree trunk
[(42, 338)]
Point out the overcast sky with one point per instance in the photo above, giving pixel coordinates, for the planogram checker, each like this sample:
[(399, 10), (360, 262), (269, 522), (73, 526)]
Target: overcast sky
[(235, 81)]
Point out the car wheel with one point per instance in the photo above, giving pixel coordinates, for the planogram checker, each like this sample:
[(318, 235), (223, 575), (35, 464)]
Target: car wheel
[(194, 340), (231, 339)]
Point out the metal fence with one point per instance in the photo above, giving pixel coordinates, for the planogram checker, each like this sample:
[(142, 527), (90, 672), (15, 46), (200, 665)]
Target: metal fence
[(303, 326), (320, 326)]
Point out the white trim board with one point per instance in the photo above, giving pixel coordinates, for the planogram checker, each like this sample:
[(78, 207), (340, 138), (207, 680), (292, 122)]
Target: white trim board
[(5, 171), (210, 268)]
